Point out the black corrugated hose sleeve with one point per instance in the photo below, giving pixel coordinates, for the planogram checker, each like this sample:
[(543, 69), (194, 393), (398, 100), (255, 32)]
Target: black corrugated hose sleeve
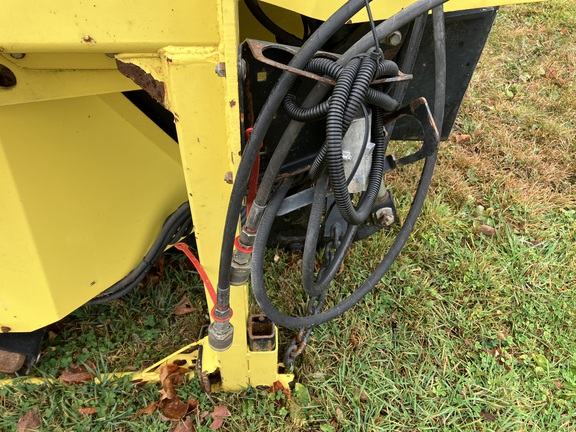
[(260, 245), (306, 52), (405, 16), (345, 101)]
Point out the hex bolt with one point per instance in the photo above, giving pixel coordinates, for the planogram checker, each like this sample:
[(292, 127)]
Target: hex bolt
[(385, 216), (220, 69), (393, 39)]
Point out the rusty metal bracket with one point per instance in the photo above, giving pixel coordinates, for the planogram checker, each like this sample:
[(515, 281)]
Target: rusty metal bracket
[(259, 48)]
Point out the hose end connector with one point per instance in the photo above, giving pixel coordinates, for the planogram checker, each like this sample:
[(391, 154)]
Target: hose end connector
[(242, 257), (220, 335)]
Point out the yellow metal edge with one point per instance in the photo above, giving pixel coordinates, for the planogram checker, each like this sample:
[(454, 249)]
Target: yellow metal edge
[(381, 9)]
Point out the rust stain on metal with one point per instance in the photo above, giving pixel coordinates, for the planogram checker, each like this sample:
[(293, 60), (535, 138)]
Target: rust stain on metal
[(232, 103), (5, 329), (228, 178), (88, 39), (145, 80)]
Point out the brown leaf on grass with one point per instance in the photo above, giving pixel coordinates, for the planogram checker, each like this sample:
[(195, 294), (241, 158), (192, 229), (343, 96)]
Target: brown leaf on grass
[(174, 410), (558, 384), (219, 413), (87, 411), (362, 396), (147, 410), (353, 339), (76, 374), (277, 386), (193, 405), (171, 375), (487, 230), (551, 73), (184, 306), (29, 421), (487, 416), (184, 426), (458, 137)]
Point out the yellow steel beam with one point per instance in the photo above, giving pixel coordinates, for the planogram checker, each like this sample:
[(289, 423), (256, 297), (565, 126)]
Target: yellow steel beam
[(199, 85), (106, 26)]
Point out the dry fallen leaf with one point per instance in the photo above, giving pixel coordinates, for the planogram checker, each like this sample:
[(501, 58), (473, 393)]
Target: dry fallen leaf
[(76, 374), (174, 410), (184, 426), (87, 411), (171, 375), (277, 386), (29, 421), (461, 137), (147, 410), (487, 416), (487, 230), (184, 306), (219, 413), (193, 405)]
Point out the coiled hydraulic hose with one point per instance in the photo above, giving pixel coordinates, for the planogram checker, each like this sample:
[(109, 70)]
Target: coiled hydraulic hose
[(267, 217), (257, 273)]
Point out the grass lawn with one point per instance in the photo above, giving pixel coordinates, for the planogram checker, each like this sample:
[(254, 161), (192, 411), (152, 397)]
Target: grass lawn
[(474, 327)]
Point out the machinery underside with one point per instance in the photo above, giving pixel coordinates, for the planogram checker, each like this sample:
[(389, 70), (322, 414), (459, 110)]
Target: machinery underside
[(113, 142)]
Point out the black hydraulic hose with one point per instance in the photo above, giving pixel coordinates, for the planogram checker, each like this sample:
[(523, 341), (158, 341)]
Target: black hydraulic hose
[(271, 26), (400, 19), (425, 179), (439, 66), (306, 52), (314, 225), (302, 322), (312, 234), (407, 66), (176, 226)]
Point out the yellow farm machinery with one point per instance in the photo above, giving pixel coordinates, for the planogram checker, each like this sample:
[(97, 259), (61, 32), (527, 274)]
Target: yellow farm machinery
[(127, 127)]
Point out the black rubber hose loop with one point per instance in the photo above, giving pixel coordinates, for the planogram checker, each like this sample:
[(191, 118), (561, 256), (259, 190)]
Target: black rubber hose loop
[(403, 17)]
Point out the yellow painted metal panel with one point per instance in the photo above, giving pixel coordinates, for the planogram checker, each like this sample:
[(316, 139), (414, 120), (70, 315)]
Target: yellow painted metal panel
[(86, 184), (33, 85), (381, 9), (106, 26)]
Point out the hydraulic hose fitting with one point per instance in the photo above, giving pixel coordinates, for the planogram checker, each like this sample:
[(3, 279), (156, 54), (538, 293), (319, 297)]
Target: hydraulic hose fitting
[(220, 335), (242, 257), (254, 218)]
